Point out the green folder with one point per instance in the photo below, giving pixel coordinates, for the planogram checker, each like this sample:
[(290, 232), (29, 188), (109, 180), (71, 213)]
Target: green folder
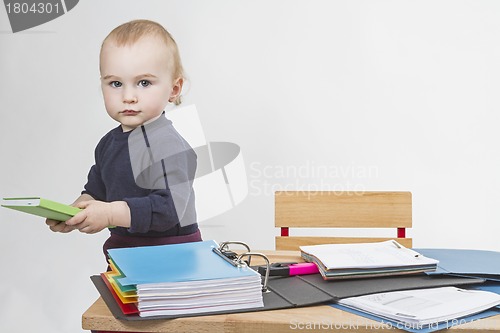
[(41, 207)]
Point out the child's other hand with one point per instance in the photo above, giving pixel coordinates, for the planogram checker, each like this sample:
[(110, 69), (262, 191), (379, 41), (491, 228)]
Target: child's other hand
[(95, 216), (58, 226)]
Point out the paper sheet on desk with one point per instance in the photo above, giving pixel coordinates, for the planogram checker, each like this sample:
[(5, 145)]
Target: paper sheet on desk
[(386, 323), (389, 324), (424, 307)]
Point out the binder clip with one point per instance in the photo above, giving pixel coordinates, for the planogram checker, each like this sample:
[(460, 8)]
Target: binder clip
[(237, 260)]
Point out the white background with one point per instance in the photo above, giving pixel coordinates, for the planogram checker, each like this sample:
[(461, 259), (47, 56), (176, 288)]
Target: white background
[(383, 95)]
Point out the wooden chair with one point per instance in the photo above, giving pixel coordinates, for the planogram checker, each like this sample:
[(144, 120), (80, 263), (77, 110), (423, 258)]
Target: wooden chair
[(330, 209)]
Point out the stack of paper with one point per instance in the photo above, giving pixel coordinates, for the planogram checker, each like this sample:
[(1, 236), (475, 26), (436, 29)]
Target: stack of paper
[(422, 308), (180, 279), (362, 260)]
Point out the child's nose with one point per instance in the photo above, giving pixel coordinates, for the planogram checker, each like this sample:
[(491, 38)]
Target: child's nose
[(129, 96)]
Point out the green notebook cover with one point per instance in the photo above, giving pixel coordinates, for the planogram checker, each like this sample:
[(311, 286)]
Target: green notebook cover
[(41, 207)]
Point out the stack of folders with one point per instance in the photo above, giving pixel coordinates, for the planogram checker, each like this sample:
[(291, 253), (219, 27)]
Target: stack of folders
[(180, 279), (418, 309), (363, 260)]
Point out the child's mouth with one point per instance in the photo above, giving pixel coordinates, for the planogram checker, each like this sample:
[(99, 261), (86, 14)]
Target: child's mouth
[(130, 112)]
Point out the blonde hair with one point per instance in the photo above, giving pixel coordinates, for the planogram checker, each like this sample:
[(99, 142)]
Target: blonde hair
[(130, 32)]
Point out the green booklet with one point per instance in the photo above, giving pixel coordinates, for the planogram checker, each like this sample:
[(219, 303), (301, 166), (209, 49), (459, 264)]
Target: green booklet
[(41, 207)]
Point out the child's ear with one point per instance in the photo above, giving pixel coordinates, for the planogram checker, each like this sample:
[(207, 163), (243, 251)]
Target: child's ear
[(176, 90)]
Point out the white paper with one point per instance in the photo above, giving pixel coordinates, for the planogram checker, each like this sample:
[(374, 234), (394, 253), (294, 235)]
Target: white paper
[(366, 255), (423, 307)]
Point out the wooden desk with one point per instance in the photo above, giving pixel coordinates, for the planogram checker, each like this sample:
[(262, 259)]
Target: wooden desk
[(322, 318)]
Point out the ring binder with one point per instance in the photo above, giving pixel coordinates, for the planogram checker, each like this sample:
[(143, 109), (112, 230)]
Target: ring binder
[(224, 245), (224, 248), (229, 257), (266, 277), (237, 260), (277, 293)]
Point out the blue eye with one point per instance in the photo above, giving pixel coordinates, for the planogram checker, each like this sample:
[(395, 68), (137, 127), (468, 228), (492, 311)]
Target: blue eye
[(115, 84), (144, 83)]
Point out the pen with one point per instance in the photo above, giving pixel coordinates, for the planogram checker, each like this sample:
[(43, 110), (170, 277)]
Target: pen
[(396, 244), (417, 255)]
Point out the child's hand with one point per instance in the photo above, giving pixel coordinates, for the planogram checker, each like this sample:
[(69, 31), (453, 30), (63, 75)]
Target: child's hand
[(58, 226), (95, 216)]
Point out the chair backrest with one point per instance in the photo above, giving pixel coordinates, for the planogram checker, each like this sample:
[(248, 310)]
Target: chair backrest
[(334, 209)]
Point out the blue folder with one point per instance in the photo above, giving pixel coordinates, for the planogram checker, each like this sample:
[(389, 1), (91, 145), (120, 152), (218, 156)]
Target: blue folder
[(475, 263), (174, 263)]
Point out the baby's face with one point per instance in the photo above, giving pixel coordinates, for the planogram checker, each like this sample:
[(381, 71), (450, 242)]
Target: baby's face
[(137, 81)]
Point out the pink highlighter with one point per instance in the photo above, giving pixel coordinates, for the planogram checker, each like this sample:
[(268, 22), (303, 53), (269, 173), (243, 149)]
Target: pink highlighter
[(290, 269), (303, 268)]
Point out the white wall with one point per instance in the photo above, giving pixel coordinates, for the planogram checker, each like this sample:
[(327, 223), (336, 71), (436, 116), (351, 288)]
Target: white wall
[(353, 95)]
